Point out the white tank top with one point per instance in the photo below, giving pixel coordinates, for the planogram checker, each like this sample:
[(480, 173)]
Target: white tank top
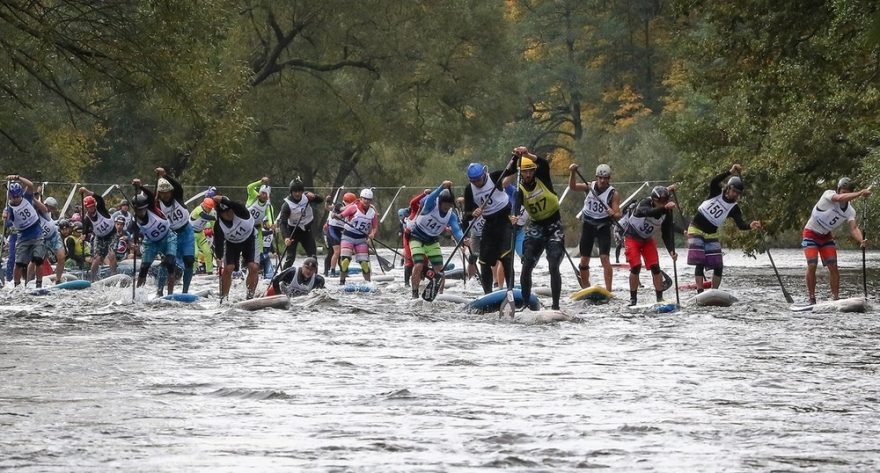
[(258, 210), (336, 222), (361, 223), (593, 206), (156, 227), (25, 215), (432, 223), (176, 214), (102, 225), (239, 230), (646, 227), (824, 221), (496, 200), (477, 227), (199, 223), (716, 209), (300, 212), (49, 227), (296, 289)]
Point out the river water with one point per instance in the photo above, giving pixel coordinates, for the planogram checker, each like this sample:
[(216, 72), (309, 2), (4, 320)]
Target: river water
[(378, 382)]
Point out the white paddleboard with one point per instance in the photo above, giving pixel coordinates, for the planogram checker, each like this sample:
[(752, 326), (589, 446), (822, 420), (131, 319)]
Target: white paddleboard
[(852, 304), (715, 298)]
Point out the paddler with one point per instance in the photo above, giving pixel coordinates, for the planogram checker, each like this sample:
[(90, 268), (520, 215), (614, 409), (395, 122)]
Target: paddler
[(202, 219), (171, 202), (833, 210), (155, 231), (601, 209), (295, 221), (704, 246), (361, 224), (333, 236), (544, 230), (29, 247), (97, 221), (652, 215), (236, 239), (300, 281), (424, 241), (485, 197)]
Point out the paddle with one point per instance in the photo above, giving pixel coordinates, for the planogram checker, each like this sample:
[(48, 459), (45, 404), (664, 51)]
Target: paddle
[(384, 264), (675, 273), (391, 204), (134, 268), (864, 233), (508, 305), (69, 200), (396, 252), (779, 278), (434, 283), (3, 243), (195, 197), (667, 281)]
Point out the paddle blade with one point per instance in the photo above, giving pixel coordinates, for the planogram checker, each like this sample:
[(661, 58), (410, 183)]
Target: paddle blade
[(508, 306), (431, 290), (384, 263), (667, 281)]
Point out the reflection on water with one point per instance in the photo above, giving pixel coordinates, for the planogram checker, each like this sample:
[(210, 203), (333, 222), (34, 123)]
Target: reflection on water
[(378, 382)]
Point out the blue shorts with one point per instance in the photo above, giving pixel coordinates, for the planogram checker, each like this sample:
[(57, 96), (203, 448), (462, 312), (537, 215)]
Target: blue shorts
[(53, 243), (165, 246), (334, 237), (186, 243)]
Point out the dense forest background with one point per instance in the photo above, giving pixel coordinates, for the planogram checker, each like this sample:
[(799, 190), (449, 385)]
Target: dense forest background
[(384, 94)]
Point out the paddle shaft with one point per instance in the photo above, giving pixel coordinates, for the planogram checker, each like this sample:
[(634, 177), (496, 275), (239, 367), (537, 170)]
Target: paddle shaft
[(391, 204), (509, 299), (864, 257), (779, 278), (675, 274), (3, 243), (134, 268)]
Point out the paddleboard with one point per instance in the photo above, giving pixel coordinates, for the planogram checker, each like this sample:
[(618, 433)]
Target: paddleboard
[(77, 285), (541, 316), (454, 274), (181, 297), (715, 298), (707, 284), (663, 307), (352, 287), (852, 304), (452, 298), (593, 294), (271, 302), (382, 277), (121, 280), (492, 302)]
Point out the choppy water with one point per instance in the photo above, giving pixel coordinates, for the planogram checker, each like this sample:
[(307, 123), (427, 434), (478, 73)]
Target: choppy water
[(377, 382)]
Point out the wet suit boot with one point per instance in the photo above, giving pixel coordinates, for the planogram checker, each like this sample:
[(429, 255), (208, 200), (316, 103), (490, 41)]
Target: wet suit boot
[(633, 298)]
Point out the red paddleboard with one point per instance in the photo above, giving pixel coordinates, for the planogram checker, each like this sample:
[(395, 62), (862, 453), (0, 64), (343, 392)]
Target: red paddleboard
[(707, 284), (46, 269)]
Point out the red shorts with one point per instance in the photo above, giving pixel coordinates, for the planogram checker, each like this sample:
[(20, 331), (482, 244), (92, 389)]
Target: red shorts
[(638, 249), (817, 245)]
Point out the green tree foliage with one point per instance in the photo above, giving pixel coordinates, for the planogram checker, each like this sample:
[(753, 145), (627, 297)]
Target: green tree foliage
[(789, 89)]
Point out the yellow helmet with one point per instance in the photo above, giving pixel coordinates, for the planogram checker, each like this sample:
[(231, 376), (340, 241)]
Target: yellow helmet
[(527, 164)]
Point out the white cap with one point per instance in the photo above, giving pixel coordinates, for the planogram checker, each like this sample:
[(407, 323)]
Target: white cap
[(265, 188), (164, 185), (367, 194), (603, 170)]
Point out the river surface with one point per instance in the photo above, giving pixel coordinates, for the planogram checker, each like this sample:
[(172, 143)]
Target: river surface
[(378, 383)]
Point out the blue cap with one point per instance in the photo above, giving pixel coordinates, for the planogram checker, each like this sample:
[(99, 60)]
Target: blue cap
[(211, 192), (403, 213), (475, 170), (16, 189)]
